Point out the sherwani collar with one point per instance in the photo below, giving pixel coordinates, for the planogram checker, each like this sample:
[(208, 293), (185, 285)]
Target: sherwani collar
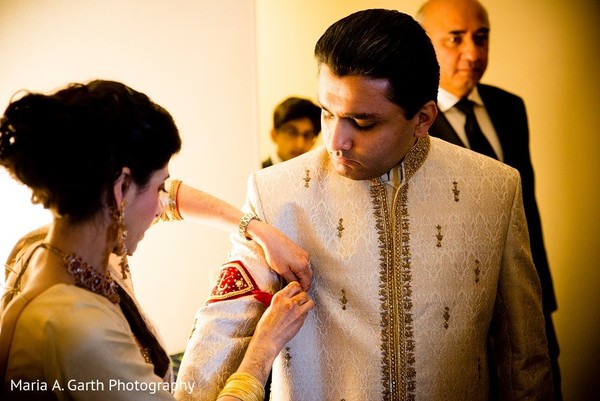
[(401, 173)]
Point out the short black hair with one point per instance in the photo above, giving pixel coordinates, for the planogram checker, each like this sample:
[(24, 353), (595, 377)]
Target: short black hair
[(294, 108), (388, 44)]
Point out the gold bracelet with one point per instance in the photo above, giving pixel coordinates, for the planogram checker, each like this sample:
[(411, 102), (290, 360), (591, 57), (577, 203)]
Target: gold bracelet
[(246, 219), (171, 211), (243, 386)]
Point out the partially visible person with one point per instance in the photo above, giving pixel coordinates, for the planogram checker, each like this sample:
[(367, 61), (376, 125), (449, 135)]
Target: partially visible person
[(460, 33), (96, 155), (419, 247), (296, 125)]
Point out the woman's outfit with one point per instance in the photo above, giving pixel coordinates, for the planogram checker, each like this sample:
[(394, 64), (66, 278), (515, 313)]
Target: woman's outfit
[(68, 343)]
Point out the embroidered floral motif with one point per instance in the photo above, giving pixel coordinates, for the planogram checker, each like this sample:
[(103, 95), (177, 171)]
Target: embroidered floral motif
[(340, 227), (193, 328), (439, 236), (446, 317), (287, 357), (146, 354), (455, 190), (415, 157), (477, 270), (307, 178), (235, 281), (343, 299)]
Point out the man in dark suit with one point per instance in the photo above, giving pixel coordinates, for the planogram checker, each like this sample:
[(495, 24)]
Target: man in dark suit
[(459, 30)]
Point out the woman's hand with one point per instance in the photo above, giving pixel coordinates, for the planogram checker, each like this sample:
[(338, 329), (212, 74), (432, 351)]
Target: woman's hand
[(282, 254), (285, 316), (277, 326)]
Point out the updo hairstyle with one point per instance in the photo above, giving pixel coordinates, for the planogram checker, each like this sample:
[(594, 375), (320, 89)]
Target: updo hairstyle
[(71, 146)]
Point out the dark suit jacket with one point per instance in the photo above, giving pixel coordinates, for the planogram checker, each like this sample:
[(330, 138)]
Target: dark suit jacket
[(267, 163), (507, 112)]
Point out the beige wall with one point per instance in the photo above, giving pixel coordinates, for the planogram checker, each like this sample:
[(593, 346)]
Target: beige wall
[(194, 57), (546, 51)]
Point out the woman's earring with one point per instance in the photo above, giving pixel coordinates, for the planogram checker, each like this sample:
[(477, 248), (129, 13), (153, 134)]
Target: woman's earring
[(121, 249)]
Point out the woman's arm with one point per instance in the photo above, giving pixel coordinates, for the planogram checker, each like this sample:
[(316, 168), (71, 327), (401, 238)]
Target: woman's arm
[(282, 254), (280, 322)]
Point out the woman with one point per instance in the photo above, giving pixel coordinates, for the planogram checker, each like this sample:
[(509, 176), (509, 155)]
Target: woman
[(97, 156)]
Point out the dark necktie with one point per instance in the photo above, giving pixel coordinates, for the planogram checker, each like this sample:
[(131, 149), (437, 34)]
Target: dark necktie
[(477, 140)]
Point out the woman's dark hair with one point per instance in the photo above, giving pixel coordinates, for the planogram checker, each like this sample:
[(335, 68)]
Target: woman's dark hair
[(71, 146), (386, 44)]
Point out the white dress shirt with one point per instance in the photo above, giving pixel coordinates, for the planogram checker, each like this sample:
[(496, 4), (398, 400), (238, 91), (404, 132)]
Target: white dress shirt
[(456, 118)]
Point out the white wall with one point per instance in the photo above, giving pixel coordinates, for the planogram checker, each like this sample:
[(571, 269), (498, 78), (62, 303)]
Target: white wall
[(194, 57), (546, 51)]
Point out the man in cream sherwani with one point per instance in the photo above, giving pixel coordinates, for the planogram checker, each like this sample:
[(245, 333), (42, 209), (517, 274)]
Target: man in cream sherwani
[(423, 279)]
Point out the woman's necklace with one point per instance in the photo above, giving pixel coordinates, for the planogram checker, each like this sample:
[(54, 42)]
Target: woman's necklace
[(86, 276)]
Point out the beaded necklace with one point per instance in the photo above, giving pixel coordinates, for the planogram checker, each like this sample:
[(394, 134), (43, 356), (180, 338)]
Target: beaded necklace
[(86, 276)]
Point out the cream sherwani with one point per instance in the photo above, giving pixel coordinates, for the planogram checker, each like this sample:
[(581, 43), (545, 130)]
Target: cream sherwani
[(410, 279)]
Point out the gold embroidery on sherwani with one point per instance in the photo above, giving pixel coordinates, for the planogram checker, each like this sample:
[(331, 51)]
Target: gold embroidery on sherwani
[(439, 236), (446, 317), (477, 270), (393, 228), (287, 357), (193, 328), (233, 281), (307, 178), (343, 299), (340, 227), (455, 190)]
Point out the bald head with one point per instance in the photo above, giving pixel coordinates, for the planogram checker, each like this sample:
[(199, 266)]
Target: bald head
[(459, 31), (460, 5)]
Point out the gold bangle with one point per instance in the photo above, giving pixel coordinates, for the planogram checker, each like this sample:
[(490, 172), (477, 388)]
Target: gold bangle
[(243, 386), (245, 220), (171, 211)]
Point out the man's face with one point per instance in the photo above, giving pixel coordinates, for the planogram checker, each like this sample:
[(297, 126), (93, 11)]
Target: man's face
[(294, 138), (366, 134), (459, 31)]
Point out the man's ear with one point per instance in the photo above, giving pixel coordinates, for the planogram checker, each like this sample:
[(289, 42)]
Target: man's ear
[(425, 118), (273, 134), (121, 185)]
